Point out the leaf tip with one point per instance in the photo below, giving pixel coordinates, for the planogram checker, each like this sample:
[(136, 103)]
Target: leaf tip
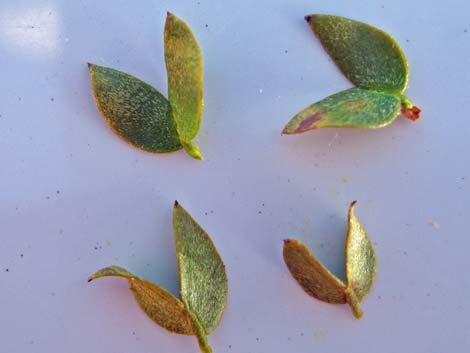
[(287, 241), (169, 14), (176, 205), (308, 18)]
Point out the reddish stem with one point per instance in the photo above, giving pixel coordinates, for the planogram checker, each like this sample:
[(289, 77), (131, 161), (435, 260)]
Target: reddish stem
[(411, 113)]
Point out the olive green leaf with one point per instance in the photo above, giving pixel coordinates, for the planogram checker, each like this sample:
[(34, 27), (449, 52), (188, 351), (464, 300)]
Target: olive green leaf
[(374, 63), (203, 284), (141, 115), (367, 56), (183, 60), (354, 108), (136, 111), (159, 305), (203, 281), (320, 283)]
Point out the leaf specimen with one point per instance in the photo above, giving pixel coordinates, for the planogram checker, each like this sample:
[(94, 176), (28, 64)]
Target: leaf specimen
[(141, 115), (319, 282), (374, 63), (202, 279)]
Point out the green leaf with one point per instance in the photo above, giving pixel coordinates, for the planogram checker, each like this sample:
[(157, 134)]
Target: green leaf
[(312, 276), (183, 60), (320, 283), (159, 305), (367, 56), (361, 263), (203, 281), (136, 111), (352, 108)]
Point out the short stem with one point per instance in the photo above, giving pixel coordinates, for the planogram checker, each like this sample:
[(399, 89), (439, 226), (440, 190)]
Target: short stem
[(353, 302), (405, 102), (204, 344), (193, 150)]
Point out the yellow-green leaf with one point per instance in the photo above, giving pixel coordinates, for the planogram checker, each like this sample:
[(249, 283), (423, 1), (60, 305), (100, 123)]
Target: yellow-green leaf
[(367, 56), (361, 263), (159, 305), (183, 60), (203, 281), (352, 108), (312, 276), (136, 111)]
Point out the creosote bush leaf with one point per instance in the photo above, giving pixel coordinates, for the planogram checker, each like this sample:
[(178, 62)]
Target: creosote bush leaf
[(203, 284), (159, 305), (203, 281), (314, 278), (367, 56), (142, 116), (136, 111), (352, 108), (361, 263), (317, 281), (183, 60), (374, 63)]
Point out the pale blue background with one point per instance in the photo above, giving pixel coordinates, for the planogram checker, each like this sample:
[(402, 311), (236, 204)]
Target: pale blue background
[(75, 198)]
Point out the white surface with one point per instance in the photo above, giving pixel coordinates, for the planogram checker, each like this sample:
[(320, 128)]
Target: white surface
[(75, 198)]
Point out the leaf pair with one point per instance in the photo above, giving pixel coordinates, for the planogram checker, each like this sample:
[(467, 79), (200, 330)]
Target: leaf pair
[(202, 279), (320, 283), (140, 114), (374, 63)]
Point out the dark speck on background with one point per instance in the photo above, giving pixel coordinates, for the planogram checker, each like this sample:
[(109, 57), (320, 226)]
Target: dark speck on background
[(7, 270)]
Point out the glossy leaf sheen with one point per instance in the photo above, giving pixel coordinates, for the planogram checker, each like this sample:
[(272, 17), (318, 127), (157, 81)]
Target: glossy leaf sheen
[(317, 281), (352, 108), (367, 56), (136, 111), (312, 276), (203, 281), (159, 305), (183, 60)]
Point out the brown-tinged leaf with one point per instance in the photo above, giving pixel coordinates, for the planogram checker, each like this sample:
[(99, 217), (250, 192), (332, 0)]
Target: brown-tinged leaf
[(312, 276), (352, 108), (361, 263), (159, 305), (317, 281)]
